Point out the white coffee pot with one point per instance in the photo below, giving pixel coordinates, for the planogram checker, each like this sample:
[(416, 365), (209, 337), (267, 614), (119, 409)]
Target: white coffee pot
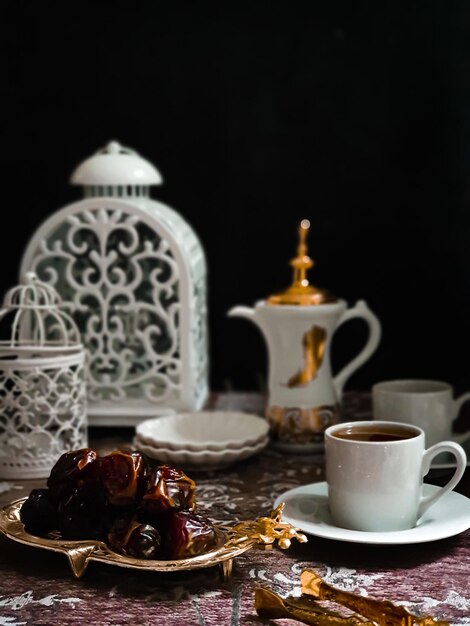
[(298, 326)]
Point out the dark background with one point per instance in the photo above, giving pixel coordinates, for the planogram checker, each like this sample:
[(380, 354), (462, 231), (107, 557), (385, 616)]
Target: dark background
[(355, 115)]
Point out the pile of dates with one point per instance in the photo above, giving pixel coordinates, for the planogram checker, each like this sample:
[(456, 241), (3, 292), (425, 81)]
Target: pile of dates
[(138, 508)]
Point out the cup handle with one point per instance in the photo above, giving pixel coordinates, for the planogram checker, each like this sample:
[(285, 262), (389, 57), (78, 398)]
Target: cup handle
[(360, 310), (429, 454), (458, 403)]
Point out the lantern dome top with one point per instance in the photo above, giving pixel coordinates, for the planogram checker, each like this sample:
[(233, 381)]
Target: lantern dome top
[(116, 165)]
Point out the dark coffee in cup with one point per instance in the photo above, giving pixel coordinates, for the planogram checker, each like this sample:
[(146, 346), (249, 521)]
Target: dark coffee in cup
[(375, 433)]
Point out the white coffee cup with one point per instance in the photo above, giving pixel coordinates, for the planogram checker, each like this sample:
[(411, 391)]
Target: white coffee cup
[(375, 483), (428, 404)]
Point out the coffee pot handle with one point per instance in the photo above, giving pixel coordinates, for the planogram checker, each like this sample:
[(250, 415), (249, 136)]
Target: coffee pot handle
[(361, 310)]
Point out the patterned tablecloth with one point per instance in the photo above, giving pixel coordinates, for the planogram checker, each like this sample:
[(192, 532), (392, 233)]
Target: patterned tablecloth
[(37, 588)]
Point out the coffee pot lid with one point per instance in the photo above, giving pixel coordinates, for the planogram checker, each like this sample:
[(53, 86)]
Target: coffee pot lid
[(301, 292)]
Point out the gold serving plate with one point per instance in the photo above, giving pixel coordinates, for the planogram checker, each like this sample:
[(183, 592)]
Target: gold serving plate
[(232, 541)]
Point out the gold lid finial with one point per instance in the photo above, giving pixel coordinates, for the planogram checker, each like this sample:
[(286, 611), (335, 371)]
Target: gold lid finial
[(301, 292)]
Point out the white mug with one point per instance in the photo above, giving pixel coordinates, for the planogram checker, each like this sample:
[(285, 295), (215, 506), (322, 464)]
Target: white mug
[(374, 472), (428, 404)]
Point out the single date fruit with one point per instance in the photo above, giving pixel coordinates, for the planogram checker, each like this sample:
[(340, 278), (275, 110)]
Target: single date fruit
[(187, 534), (73, 469), (85, 514), (139, 540), (120, 474), (38, 513), (168, 488)]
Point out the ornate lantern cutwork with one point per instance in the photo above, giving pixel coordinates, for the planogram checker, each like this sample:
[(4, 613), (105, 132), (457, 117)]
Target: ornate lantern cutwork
[(42, 382), (132, 274)]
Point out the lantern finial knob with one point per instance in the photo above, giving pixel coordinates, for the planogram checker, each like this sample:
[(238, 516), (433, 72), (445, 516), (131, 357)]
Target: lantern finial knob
[(113, 147)]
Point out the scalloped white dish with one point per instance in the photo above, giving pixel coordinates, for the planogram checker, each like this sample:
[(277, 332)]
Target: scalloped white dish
[(201, 458), (202, 431)]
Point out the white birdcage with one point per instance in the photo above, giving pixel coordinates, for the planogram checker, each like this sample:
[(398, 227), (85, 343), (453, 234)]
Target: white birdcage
[(132, 273), (42, 382)]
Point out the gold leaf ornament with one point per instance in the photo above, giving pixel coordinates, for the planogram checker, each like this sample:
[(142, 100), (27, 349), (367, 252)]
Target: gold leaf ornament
[(268, 530)]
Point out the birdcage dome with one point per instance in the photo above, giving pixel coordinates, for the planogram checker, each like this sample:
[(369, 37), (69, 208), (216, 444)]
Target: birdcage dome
[(32, 316)]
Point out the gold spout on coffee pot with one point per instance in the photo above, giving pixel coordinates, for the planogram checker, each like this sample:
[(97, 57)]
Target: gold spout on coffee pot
[(301, 292)]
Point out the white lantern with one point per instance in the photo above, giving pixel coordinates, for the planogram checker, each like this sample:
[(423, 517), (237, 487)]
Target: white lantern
[(132, 273), (42, 382)]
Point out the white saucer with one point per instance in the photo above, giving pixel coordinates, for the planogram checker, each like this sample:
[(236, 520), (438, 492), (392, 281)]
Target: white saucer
[(307, 509)]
